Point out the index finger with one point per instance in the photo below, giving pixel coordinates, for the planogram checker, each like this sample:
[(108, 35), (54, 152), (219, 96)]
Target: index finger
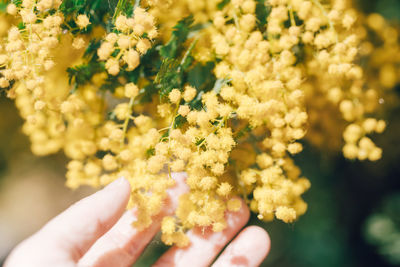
[(78, 227), (123, 244)]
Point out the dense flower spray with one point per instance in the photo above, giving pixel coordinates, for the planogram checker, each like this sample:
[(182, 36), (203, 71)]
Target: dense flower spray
[(222, 90)]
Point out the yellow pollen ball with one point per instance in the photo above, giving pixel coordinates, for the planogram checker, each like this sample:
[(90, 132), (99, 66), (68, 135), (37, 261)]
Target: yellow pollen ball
[(285, 214), (183, 110), (78, 43), (189, 93), (224, 189), (82, 21), (168, 225), (174, 96), (12, 9), (131, 90)]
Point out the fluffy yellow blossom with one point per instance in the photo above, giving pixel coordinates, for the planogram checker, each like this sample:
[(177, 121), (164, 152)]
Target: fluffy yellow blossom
[(82, 21), (78, 43), (129, 41), (168, 225), (189, 93), (131, 90), (183, 110), (12, 9), (285, 214), (174, 96)]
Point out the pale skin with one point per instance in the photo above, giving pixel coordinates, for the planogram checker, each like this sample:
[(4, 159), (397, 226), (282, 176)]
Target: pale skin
[(97, 231)]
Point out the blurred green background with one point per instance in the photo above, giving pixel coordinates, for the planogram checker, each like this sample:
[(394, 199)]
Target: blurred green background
[(353, 217)]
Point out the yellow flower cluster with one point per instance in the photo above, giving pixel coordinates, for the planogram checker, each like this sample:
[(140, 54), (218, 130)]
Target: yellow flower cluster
[(266, 93), (356, 97), (26, 53), (344, 84), (278, 82), (26, 56), (129, 41)]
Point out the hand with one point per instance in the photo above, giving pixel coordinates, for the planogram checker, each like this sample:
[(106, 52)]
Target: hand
[(97, 232)]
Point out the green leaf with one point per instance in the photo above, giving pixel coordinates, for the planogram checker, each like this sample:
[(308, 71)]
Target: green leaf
[(262, 13), (100, 154), (222, 4), (187, 62), (147, 92), (3, 91), (179, 121), (188, 59), (71, 6), (82, 74), (18, 3), (299, 52), (91, 49), (3, 6), (178, 37), (150, 152), (201, 76), (150, 63), (98, 12), (21, 25), (110, 84), (168, 77)]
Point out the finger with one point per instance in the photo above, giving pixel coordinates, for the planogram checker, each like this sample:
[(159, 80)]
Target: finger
[(77, 228), (123, 244), (204, 243), (248, 249)]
